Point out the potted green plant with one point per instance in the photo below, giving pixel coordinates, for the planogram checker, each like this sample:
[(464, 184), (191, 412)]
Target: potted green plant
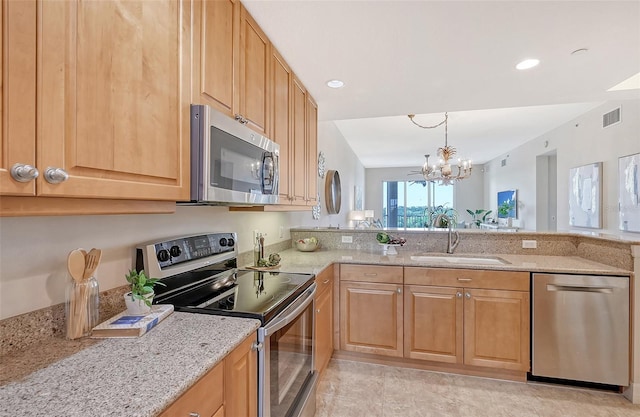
[(479, 216), (139, 299), (435, 216)]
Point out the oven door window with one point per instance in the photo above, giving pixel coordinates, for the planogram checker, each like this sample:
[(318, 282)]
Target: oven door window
[(291, 362), (235, 164)]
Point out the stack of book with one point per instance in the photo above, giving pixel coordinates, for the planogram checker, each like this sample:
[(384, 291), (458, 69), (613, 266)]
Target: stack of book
[(127, 325)]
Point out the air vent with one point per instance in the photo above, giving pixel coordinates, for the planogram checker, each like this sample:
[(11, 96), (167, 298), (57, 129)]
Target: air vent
[(503, 163), (611, 118)]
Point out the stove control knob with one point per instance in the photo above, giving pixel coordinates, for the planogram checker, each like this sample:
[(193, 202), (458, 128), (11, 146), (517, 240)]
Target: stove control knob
[(175, 251), (163, 255), (223, 241), (231, 242)]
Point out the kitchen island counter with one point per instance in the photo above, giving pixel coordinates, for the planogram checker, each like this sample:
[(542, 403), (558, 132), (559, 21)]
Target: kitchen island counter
[(128, 377)]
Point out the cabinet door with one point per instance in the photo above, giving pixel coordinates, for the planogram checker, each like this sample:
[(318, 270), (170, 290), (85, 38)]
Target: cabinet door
[(114, 95), (299, 136), (311, 150), (217, 56), (324, 319), (203, 398), (371, 318), (18, 93), (254, 79), (496, 329), (241, 380), (281, 126), (433, 322)]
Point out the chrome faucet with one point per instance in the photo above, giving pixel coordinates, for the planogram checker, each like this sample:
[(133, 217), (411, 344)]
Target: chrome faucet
[(451, 244)]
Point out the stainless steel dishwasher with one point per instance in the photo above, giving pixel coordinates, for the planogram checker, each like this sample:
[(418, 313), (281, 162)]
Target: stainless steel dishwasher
[(581, 328)]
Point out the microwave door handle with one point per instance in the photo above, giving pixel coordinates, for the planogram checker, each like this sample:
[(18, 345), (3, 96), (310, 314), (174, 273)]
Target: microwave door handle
[(269, 173), (303, 302)]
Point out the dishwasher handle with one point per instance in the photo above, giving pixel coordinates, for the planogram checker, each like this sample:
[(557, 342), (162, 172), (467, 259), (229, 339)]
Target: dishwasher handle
[(579, 288)]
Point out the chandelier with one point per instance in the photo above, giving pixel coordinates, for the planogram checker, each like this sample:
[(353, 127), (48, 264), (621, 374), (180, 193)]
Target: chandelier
[(443, 171)]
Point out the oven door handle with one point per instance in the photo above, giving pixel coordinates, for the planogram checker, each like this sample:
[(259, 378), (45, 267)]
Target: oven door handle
[(292, 312)]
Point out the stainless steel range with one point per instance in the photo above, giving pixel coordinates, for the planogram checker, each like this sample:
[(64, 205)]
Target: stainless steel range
[(201, 276)]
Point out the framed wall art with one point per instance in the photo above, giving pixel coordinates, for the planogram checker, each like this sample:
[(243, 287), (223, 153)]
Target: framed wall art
[(585, 196), (508, 204), (629, 192)]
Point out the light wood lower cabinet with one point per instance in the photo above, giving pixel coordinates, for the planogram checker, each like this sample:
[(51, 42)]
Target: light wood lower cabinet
[(324, 319), (229, 389), (371, 312), (468, 324)]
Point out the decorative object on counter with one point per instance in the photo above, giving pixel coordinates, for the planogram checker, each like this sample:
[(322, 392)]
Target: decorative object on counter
[(435, 218), (442, 172), (629, 192), (126, 325), (479, 216), (585, 196), (139, 299), (389, 243), (321, 165), (333, 192), (82, 296), (272, 262), (308, 244)]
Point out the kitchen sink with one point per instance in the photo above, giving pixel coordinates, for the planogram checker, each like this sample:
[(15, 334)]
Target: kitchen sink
[(459, 259)]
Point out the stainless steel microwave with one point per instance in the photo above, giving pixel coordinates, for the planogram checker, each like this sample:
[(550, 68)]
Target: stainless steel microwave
[(230, 163)]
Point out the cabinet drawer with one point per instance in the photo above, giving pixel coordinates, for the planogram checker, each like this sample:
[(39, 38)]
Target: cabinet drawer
[(204, 398), (324, 280), (371, 273), (468, 278)]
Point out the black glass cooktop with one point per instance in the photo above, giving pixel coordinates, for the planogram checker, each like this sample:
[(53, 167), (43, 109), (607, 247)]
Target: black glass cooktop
[(242, 293)]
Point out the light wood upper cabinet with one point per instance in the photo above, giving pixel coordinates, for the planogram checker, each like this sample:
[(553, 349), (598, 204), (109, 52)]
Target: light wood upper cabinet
[(254, 79), (299, 137), (114, 96), (281, 121), (311, 142), (217, 54), (18, 93)]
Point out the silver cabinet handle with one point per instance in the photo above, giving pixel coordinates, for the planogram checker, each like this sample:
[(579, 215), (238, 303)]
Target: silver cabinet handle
[(399, 290), (318, 311), (256, 346), (464, 279), (370, 274), (24, 172), (55, 175), (238, 117), (467, 295), (459, 294), (326, 281), (194, 414)]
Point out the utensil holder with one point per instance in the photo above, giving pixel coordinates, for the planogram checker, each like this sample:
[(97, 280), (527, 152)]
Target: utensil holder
[(82, 307)]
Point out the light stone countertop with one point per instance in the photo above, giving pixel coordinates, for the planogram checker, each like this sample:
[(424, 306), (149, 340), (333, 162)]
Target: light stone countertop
[(136, 377), (314, 262)]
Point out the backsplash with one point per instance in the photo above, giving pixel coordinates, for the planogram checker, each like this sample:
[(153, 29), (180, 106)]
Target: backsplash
[(606, 251)]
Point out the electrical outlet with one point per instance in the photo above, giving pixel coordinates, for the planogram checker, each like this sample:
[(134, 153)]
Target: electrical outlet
[(281, 232), (529, 244), (255, 235), (347, 239)]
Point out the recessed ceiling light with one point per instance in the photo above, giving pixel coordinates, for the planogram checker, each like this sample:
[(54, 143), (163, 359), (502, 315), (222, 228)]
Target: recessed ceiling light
[(335, 83), (528, 63)]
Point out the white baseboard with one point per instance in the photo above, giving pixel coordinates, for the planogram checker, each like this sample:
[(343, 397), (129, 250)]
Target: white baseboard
[(632, 393)]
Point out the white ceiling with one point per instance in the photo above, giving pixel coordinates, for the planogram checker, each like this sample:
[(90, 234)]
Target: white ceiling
[(428, 57)]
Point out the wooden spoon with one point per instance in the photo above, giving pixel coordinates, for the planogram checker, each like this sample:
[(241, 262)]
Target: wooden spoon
[(92, 260), (76, 264)]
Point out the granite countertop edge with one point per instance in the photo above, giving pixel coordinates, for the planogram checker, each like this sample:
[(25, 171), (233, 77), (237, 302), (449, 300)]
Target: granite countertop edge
[(137, 377)]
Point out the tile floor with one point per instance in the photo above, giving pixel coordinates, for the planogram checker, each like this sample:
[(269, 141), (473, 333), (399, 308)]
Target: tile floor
[(354, 389)]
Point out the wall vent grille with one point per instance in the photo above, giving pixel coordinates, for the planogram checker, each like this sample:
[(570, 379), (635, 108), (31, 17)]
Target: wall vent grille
[(611, 118), (503, 163)]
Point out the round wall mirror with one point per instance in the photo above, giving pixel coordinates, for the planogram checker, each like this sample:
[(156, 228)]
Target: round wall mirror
[(332, 192)]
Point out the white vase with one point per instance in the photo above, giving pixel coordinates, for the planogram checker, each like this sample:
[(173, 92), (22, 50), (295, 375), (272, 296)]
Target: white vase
[(137, 307)]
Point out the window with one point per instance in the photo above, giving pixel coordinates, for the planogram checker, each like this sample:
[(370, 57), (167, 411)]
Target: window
[(404, 202)]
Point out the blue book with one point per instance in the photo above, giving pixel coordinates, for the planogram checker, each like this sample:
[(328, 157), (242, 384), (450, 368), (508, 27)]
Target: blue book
[(127, 325)]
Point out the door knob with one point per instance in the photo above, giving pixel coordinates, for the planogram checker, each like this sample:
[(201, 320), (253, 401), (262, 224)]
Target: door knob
[(55, 175), (24, 172)]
